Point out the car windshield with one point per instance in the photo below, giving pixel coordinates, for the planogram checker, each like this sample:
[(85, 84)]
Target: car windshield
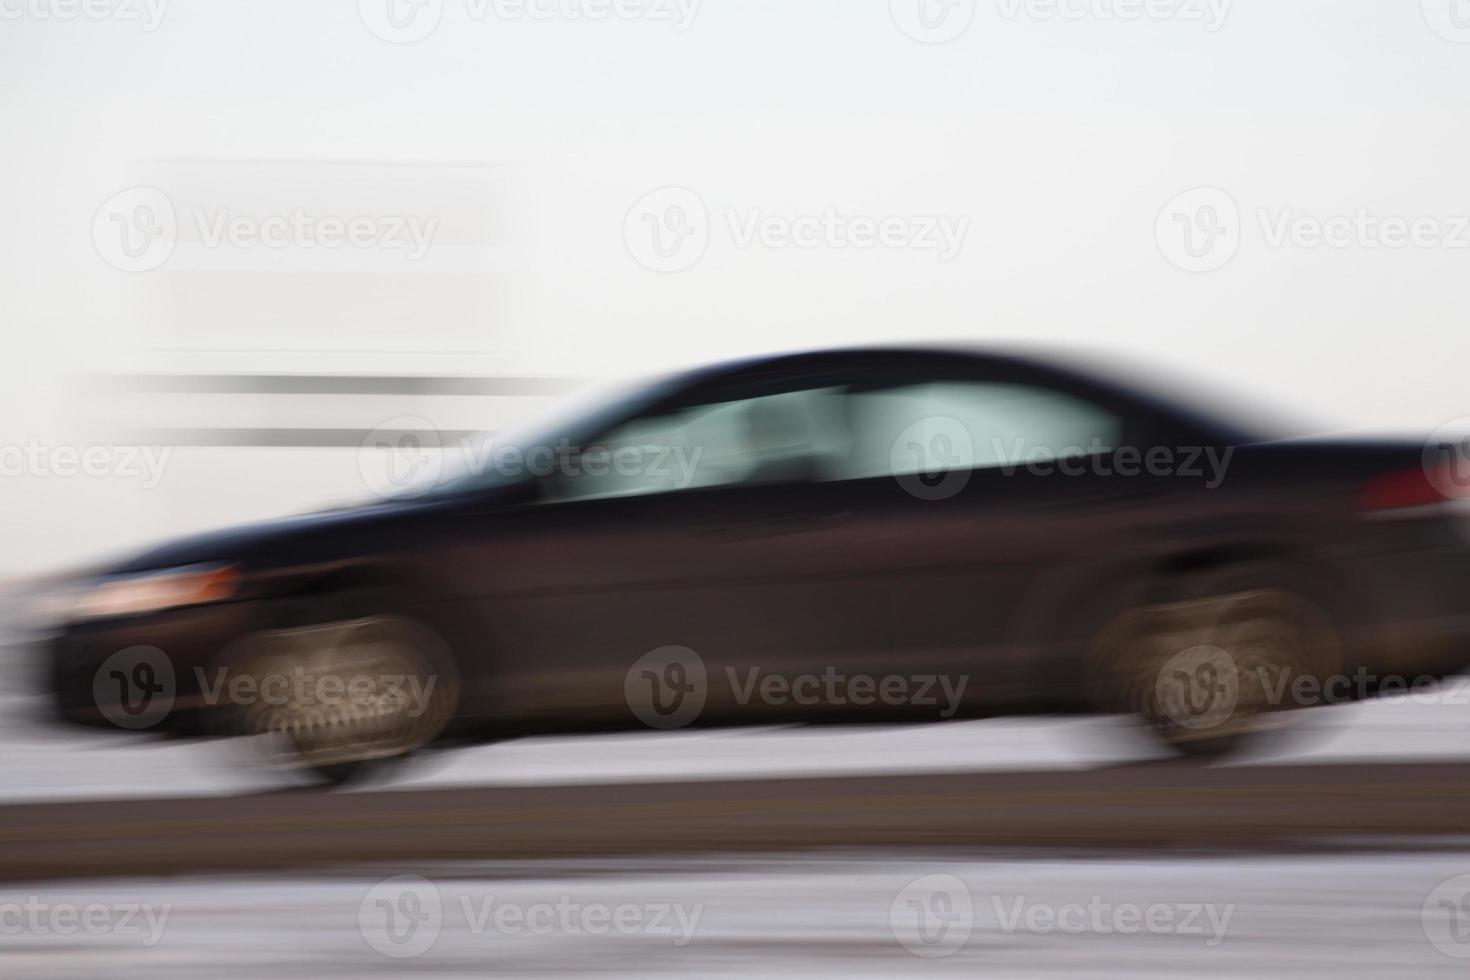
[(500, 459)]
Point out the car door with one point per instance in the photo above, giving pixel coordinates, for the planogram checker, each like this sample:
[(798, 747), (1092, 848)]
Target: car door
[(991, 488), (672, 591)]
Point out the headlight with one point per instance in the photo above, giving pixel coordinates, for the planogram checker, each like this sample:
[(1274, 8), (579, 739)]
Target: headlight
[(152, 591)]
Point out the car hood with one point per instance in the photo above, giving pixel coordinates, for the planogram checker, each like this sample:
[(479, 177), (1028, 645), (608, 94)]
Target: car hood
[(245, 542)]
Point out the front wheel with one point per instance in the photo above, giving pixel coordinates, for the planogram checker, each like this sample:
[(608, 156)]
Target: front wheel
[(340, 699)]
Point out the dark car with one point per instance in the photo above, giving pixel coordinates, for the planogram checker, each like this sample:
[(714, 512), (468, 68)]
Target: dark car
[(849, 536)]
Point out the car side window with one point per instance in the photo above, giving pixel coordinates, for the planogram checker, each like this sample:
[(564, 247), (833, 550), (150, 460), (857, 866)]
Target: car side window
[(971, 425), (791, 437)]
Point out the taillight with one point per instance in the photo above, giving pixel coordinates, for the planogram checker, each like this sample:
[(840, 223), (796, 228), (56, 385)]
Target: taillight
[(1417, 486)]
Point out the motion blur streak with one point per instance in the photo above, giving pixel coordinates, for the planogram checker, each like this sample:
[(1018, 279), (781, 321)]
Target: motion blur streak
[(831, 916), (937, 488)]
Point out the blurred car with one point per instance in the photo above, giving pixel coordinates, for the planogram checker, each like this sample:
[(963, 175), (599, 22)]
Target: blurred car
[(873, 535)]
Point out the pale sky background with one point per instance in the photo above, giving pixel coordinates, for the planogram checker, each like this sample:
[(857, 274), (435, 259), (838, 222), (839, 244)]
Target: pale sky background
[(1060, 141)]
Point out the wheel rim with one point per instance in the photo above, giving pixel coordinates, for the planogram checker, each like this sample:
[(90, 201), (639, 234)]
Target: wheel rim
[(346, 692), (1207, 671)]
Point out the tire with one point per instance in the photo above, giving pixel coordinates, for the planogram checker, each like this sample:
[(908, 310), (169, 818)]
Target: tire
[(1212, 667), (339, 699)]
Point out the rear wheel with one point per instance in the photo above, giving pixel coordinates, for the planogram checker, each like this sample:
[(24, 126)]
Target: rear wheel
[(1216, 666), (340, 699)]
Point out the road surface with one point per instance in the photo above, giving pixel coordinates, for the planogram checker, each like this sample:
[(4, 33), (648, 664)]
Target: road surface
[(842, 916)]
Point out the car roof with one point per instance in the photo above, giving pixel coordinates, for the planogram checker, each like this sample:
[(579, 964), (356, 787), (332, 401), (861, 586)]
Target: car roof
[(1129, 384)]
